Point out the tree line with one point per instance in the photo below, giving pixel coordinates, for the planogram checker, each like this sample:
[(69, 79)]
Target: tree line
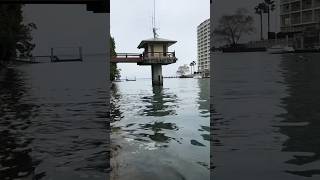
[(232, 27), (15, 35), (114, 70)]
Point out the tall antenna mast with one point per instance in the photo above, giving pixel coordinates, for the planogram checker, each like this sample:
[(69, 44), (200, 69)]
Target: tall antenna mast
[(155, 34)]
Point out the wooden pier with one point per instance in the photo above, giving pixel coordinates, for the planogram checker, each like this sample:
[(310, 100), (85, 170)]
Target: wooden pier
[(127, 58), (25, 60), (52, 59)]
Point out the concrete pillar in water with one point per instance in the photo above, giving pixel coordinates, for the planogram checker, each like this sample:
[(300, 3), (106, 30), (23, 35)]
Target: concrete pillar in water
[(157, 79)]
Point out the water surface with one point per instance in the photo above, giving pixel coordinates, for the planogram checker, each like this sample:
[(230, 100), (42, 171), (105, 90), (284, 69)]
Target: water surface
[(266, 121), (53, 121), (161, 132)]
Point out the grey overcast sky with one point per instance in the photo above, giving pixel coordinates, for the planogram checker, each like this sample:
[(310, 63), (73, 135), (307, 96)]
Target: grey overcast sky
[(131, 22), (66, 25)]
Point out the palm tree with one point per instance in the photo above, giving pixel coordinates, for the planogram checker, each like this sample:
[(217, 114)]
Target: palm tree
[(270, 6), (260, 9), (191, 66), (193, 63)]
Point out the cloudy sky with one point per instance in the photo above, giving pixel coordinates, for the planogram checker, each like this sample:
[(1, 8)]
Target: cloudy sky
[(66, 26), (131, 22)]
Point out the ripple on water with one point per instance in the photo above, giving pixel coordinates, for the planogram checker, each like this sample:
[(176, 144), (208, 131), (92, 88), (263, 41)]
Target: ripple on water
[(161, 122), (49, 129)]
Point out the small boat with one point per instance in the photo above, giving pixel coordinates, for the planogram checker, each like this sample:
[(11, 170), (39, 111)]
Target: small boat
[(197, 76), (131, 79), (186, 76), (278, 49)]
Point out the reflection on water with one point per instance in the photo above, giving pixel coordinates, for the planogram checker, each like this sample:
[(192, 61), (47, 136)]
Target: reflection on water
[(204, 107), (301, 121), (160, 103), (53, 121), (157, 128), (266, 116), (115, 112), (159, 123), (15, 159), (204, 94)]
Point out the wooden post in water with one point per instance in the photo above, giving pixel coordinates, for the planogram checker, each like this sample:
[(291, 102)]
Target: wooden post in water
[(51, 55), (80, 53)]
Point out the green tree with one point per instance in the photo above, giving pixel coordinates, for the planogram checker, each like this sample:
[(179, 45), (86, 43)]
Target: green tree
[(15, 36), (232, 27), (114, 71)]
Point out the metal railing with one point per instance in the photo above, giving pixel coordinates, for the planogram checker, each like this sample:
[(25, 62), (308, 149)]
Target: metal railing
[(128, 55), (146, 55), (159, 54)]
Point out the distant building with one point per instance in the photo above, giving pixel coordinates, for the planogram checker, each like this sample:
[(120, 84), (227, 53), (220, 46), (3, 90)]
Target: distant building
[(301, 19), (204, 47)]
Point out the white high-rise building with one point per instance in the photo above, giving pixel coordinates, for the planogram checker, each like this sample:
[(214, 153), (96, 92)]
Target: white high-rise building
[(204, 48), (302, 19)]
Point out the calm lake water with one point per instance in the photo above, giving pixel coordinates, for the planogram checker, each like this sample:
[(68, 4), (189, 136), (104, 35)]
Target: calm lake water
[(161, 132), (266, 116), (53, 121)]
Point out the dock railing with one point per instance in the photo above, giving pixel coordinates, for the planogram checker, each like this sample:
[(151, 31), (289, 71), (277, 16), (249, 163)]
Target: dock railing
[(159, 54), (128, 55), (158, 58)]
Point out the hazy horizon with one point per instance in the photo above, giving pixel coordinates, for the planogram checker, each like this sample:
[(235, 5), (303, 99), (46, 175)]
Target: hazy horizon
[(73, 26)]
